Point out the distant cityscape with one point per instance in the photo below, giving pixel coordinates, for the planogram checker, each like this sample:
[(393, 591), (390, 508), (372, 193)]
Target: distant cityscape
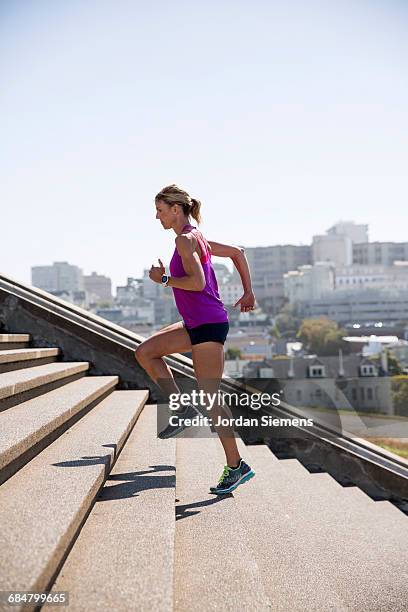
[(360, 286), (341, 275)]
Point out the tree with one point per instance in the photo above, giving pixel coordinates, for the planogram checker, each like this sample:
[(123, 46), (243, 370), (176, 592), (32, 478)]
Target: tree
[(394, 366), (400, 395), (233, 353), (286, 323), (322, 336)]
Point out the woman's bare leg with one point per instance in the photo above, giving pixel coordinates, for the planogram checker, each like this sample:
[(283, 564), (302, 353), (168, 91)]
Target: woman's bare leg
[(171, 339), (208, 359)]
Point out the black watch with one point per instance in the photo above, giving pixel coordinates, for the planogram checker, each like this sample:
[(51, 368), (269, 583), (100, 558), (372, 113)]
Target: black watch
[(165, 280)]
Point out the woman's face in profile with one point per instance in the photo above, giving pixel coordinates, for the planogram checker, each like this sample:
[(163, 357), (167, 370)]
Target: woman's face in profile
[(165, 214)]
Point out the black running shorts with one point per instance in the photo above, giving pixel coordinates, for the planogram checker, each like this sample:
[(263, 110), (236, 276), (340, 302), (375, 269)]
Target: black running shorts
[(208, 332)]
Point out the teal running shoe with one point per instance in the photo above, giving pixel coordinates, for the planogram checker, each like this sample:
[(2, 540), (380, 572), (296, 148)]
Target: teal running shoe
[(232, 478)]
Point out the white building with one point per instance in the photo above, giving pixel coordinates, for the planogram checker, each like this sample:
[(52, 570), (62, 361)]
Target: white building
[(221, 272), (387, 278), (336, 248), (61, 276), (309, 282), (357, 232), (230, 293)]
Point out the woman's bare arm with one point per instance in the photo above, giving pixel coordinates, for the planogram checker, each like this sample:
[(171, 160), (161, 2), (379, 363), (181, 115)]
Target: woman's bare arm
[(237, 254), (194, 279)]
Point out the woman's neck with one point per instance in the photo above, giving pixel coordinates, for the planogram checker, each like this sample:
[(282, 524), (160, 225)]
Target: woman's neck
[(180, 225)]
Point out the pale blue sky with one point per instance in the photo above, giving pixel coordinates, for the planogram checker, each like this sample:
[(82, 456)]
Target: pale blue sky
[(282, 117)]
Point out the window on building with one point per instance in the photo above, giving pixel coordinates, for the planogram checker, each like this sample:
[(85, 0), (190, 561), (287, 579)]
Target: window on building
[(370, 393), (317, 371), (354, 394), (298, 394), (367, 370)]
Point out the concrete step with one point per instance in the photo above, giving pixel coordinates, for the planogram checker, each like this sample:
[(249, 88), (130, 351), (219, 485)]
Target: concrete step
[(12, 341), (214, 568), (12, 384), (317, 548), (44, 504), (14, 359), (292, 465), (132, 524), (14, 338), (24, 354), (356, 494), (384, 507), (392, 511), (28, 427)]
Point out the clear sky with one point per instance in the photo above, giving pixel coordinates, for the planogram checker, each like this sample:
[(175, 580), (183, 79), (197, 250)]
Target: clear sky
[(282, 117)]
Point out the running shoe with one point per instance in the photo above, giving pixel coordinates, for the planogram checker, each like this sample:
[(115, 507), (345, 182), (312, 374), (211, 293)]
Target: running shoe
[(170, 431), (232, 478)]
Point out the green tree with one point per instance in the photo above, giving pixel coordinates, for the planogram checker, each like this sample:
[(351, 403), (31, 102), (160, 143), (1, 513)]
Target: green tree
[(286, 323), (394, 366), (232, 353), (322, 336), (400, 395)]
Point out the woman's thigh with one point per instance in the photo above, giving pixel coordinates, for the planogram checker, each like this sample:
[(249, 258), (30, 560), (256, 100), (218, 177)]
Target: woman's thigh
[(208, 360), (168, 328), (169, 340)]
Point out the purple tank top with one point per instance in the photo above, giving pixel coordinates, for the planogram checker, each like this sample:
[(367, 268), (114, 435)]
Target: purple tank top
[(198, 307)]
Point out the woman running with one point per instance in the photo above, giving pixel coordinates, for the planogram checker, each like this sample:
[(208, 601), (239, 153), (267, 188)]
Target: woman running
[(204, 327)]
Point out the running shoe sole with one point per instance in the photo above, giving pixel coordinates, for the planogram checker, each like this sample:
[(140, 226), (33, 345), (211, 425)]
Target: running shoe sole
[(243, 479)]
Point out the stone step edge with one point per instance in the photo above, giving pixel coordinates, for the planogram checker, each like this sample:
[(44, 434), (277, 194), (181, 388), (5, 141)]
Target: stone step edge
[(14, 457)]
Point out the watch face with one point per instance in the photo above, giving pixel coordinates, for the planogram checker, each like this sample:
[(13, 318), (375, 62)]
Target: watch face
[(164, 278)]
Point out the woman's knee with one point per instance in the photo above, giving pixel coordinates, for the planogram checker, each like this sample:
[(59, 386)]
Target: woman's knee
[(143, 353)]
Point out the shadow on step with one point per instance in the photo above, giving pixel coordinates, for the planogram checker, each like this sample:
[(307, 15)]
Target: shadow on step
[(136, 482), (186, 510)]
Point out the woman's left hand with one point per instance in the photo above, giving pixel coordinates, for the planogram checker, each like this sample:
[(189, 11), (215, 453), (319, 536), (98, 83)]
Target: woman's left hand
[(156, 272), (247, 302)]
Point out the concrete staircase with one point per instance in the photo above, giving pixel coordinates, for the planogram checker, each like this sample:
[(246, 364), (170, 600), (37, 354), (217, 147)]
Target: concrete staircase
[(93, 503), (61, 433)]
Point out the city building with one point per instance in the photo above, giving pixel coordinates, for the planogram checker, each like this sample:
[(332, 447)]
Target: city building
[(78, 298), (230, 293), (357, 232), (165, 310), (222, 273), (150, 289), (61, 276), (335, 248), (349, 382), (268, 265), (98, 286), (252, 344), (386, 278), (380, 253), (309, 282), (359, 307), (127, 294)]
